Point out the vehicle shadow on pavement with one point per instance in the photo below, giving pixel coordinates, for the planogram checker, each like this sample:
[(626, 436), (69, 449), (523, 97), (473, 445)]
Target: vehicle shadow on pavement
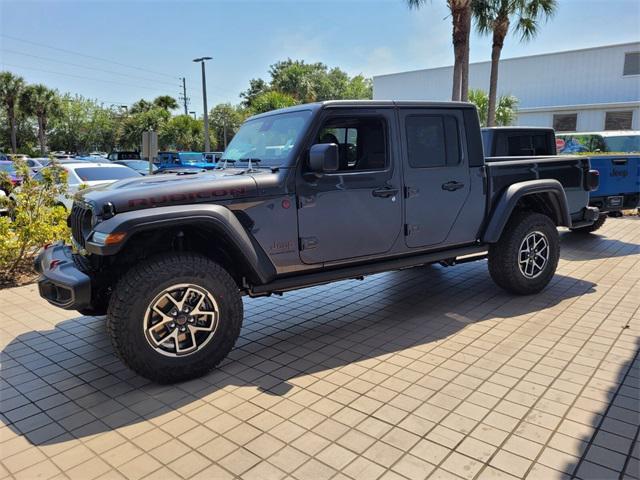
[(67, 383), (610, 448), (597, 245)]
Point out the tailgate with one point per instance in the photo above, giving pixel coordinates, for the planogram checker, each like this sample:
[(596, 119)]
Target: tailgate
[(619, 174)]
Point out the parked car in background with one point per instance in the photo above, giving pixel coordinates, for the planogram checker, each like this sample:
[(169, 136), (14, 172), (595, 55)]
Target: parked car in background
[(124, 155), (18, 156), (619, 173), (616, 155), (140, 166), (90, 158), (99, 154), (212, 157), (3, 157), (611, 141), (7, 167), (35, 164), (175, 160), (82, 175)]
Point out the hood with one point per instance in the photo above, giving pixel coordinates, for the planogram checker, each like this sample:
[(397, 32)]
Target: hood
[(172, 189)]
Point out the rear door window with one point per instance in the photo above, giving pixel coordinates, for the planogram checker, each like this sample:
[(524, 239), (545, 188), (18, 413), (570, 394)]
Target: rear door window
[(432, 141)]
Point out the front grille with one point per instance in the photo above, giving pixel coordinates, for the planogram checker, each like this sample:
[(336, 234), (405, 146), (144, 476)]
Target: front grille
[(80, 223)]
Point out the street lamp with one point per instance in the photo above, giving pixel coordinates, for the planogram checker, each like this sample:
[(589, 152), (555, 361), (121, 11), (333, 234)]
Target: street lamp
[(194, 114), (207, 145)]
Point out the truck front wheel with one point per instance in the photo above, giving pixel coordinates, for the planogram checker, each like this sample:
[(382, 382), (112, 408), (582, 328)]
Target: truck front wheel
[(525, 258), (174, 317)]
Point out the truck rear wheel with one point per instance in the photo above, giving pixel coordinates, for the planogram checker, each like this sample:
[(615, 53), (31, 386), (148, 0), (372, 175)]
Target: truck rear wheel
[(174, 317), (593, 227), (525, 258)]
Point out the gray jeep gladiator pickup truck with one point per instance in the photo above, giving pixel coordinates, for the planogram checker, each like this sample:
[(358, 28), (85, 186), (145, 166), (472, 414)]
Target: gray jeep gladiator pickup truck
[(305, 196)]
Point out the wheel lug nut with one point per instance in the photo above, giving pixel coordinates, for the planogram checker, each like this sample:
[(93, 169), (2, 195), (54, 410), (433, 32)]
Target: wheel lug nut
[(191, 320), (174, 312), (172, 325), (183, 329)]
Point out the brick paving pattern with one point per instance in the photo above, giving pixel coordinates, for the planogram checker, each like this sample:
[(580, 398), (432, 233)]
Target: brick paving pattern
[(425, 373)]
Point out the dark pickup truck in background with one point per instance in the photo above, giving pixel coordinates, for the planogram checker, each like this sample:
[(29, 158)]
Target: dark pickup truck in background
[(619, 173), (307, 195)]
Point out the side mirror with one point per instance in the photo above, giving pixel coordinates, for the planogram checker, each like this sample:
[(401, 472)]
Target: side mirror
[(323, 157)]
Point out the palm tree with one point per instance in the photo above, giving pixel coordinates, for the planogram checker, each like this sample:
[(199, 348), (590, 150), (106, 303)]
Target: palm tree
[(461, 20), (505, 112), (166, 102), (495, 17), (42, 103), (11, 87)]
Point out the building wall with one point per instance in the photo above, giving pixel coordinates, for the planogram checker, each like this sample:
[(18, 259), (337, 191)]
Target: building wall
[(589, 119), (566, 82)]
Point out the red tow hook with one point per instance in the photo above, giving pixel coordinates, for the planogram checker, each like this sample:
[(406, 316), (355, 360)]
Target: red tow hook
[(54, 263)]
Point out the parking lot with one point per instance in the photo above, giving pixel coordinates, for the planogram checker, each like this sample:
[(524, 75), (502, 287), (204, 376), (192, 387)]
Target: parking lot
[(425, 373)]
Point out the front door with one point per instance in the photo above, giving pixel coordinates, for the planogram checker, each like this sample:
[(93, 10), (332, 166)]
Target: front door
[(356, 211), (436, 174)]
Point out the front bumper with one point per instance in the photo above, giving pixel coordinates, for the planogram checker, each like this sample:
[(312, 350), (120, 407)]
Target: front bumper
[(61, 282)]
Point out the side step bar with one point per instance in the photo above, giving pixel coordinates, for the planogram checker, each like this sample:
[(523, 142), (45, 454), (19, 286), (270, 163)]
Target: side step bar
[(359, 271)]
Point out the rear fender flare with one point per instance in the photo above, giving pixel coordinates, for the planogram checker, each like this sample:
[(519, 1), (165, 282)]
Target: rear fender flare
[(550, 189)]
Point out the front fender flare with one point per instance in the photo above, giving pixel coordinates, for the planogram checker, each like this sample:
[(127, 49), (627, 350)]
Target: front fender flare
[(217, 217), (553, 191)]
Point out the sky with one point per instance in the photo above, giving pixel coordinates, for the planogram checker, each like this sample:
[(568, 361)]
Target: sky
[(120, 51)]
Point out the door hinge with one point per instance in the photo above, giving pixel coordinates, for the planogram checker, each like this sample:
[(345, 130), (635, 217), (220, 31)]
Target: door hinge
[(308, 243), (410, 192), (409, 229)]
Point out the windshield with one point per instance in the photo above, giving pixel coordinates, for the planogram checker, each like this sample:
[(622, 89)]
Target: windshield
[(268, 139), (192, 157), (96, 174), (623, 143)]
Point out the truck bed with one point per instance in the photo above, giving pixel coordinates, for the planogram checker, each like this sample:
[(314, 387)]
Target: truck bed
[(569, 170)]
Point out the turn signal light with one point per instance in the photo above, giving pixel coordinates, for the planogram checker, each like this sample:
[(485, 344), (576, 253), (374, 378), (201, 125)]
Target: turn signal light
[(114, 238)]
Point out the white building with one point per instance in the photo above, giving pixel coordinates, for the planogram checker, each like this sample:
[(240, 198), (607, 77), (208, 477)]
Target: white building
[(590, 89)]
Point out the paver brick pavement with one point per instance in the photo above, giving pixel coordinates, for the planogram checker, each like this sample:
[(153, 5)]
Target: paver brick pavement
[(426, 373)]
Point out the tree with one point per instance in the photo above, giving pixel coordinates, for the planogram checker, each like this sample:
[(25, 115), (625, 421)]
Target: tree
[(182, 132), (461, 22), (43, 103), (495, 17), (224, 121), (272, 100), (133, 126), (166, 102), (11, 87), (141, 106), (256, 87), (505, 112), (83, 125)]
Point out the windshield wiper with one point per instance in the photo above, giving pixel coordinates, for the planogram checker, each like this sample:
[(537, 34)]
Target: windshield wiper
[(224, 164), (250, 161)]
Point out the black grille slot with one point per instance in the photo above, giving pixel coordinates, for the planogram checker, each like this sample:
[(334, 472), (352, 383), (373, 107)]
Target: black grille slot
[(77, 220)]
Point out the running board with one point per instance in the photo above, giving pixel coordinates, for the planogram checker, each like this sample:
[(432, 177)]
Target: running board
[(359, 271)]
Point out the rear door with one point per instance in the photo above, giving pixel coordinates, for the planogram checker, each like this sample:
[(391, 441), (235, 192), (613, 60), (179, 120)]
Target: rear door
[(436, 173)]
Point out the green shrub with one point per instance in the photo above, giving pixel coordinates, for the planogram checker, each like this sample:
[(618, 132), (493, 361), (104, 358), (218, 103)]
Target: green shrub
[(34, 218)]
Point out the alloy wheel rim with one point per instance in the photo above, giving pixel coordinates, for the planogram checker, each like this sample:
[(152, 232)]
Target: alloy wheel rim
[(181, 320), (533, 254)]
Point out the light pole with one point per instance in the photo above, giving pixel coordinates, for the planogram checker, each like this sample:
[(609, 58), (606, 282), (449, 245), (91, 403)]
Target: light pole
[(194, 114), (207, 144)]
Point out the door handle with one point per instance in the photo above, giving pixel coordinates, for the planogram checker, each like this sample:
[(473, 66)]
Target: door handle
[(385, 192), (452, 186)]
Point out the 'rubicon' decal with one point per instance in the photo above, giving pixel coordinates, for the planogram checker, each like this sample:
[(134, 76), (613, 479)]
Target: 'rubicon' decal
[(184, 197)]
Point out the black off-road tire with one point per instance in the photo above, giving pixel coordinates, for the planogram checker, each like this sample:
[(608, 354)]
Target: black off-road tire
[(503, 255), (136, 290), (591, 228)]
